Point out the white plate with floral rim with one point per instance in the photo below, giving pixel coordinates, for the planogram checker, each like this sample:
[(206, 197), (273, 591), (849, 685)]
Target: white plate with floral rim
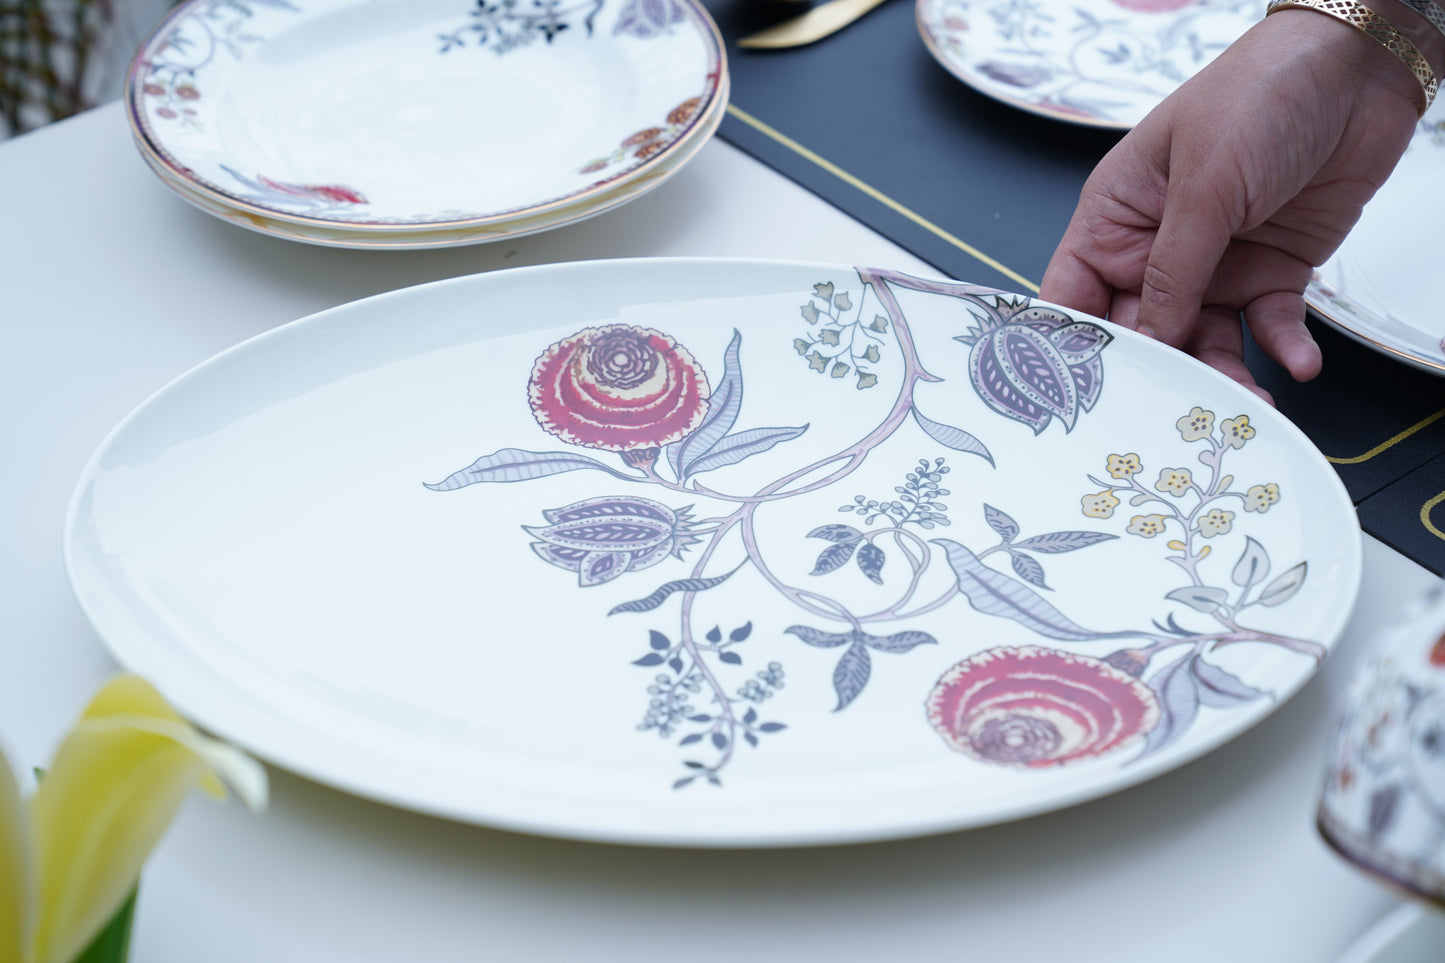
[(392, 116), (1377, 288), (1103, 63), (327, 235), (716, 553)]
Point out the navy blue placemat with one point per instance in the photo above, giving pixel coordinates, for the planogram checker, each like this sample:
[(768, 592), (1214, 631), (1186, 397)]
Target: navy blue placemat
[(1409, 514), (869, 121)]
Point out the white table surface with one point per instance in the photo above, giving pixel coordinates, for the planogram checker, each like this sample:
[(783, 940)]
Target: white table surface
[(110, 286)]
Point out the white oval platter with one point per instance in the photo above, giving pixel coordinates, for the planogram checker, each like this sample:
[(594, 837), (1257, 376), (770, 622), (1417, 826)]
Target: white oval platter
[(714, 553)]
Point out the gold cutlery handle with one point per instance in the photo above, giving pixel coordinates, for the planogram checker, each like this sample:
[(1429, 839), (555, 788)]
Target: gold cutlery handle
[(805, 28)]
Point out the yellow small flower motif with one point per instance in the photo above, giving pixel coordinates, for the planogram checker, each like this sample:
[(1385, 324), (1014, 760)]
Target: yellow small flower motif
[(1146, 525), (1196, 425), (1124, 466), (1259, 497), (1100, 504), (1237, 431), (1215, 522), (1175, 481)]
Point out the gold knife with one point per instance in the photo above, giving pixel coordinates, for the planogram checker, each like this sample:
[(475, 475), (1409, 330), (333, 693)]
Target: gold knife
[(805, 28)]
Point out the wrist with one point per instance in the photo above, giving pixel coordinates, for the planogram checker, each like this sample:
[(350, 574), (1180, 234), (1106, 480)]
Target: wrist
[(1383, 43)]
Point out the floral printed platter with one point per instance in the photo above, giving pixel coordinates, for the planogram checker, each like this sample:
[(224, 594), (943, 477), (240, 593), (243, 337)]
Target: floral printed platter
[(357, 120), (1103, 63), (718, 553), (1377, 288)]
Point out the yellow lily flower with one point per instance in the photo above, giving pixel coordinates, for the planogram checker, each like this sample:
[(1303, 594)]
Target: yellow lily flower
[(69, 858)]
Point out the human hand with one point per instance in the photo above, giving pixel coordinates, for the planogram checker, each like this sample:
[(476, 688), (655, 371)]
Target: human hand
[(1225, 197)]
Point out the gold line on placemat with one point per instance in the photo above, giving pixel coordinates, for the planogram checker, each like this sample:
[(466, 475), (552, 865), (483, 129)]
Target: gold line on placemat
[(1425, 516), (878, 195), (1423, 423)]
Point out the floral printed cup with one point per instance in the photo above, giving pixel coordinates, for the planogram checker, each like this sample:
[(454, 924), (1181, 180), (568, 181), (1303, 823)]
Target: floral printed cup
[(1383, 804)]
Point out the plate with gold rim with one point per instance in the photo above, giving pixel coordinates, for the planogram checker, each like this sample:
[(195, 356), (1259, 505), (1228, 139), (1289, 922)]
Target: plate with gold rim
[(421, 237), (1376, 288), (388, 117), (1100, 63)]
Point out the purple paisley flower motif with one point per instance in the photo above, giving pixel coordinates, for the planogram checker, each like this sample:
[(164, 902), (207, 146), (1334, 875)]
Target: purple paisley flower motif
[(1035, 364), (602, 538), (648, 18)]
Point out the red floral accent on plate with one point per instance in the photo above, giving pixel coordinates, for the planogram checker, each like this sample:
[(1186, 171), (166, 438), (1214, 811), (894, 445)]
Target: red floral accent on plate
[(684, 111), (335, 193), (1034, 707), (618, 387), (643, 137)]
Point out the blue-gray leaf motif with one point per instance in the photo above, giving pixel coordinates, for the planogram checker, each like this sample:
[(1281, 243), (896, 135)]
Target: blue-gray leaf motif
[(517, 464), (836, 533), (1028, 569), (652, 601), (734, 448), (899, 641), (1201, 598), (722, 413), (1253, 564), (648, 18), (1283, 588), (1177, 689), (820, 638), (1221, 689), (851, 674), (1001, 522), (1055, 543), (951, 437), (870, 562), (833, 558), (993, 593)]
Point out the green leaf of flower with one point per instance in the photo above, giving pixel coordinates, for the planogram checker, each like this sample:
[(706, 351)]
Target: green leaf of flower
[(112, 944)]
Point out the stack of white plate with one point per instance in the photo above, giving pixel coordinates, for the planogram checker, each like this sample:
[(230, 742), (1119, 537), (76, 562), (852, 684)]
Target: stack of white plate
[(423, 123)]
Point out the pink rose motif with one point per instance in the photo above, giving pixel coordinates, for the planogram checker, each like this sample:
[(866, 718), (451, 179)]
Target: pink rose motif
[(325, 193), (1034, 707), (620, 388)]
